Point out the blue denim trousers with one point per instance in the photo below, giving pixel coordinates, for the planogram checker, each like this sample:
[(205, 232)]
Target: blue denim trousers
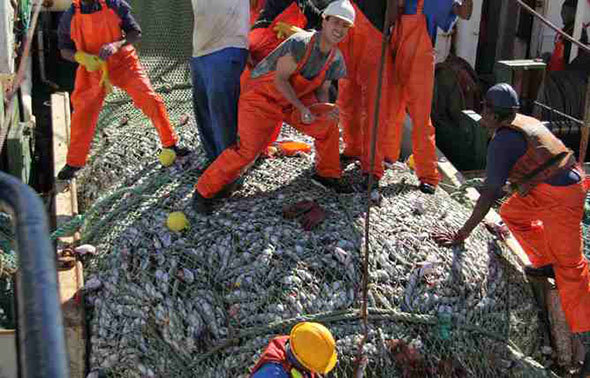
[(216, 90)]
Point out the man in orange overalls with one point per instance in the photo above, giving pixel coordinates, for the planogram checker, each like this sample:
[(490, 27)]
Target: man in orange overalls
[(290, 85), (546, 210), (357, 92), (413, 81), (98, 34)]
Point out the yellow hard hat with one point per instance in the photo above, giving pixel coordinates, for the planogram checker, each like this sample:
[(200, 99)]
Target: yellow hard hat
[(314, 347)]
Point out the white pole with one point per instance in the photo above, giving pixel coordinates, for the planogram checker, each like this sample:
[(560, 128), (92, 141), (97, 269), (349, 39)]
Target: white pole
[(468, 34)]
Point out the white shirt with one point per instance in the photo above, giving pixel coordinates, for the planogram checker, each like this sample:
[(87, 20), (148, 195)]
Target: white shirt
[(220, 24)]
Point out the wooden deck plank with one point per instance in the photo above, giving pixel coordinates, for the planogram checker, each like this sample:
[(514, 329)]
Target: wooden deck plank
[(71, 281)]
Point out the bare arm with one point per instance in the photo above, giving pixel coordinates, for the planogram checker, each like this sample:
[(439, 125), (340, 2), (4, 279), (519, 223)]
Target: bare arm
[(464, 10), (482, 207), (286, 66)]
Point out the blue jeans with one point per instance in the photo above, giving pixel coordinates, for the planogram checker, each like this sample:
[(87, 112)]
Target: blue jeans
[(216, 90)]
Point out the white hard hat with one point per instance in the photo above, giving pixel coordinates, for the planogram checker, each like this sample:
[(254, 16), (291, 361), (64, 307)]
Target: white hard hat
[(342, 9)]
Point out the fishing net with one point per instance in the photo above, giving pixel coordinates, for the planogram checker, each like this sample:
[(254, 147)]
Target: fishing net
[(205, 302), (8, 266)]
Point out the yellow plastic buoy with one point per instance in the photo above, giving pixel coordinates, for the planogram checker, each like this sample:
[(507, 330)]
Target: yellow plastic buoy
[(167, 157), (177, 221), (410, 162)]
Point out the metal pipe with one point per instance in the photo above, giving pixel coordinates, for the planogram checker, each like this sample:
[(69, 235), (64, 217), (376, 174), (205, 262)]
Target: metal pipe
[(41, 332), (41, 56), (568, 117)]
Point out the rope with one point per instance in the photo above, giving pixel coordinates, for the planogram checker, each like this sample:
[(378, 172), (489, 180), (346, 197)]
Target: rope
[(364, 306)]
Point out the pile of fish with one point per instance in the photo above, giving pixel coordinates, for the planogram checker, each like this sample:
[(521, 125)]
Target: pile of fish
[(205, 301)]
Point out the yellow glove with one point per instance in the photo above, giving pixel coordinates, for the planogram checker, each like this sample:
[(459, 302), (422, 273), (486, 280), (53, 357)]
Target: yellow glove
[(104, 79), (90, 62), (285, 30)]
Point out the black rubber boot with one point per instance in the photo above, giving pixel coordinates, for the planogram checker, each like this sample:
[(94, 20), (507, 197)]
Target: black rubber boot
[(201, 204), (543, 271), (180, 151), (68, 172), (329, 183), (427, 188)]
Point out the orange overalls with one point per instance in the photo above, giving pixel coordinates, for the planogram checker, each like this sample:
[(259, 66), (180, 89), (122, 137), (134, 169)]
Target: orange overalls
[(357, 93), (264, 40), (412, 90), (558, 242), (90, 32), (261, 107)]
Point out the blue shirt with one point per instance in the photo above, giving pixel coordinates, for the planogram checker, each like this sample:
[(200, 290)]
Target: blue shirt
[(504, 150), (121, 7), (271, 370), (439, 14)]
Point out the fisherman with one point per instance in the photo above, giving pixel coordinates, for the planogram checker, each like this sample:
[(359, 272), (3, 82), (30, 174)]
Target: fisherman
[(99, 35), (545, 212), (561, 53), (412, 45), (220, 51), (290, 85), (357, 92), (308, 351), (278, 20)]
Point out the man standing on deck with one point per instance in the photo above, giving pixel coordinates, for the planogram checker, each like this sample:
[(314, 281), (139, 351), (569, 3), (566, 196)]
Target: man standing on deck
[(99, 35), (546, 210), (412, 46), (220, 51), (292, 85)]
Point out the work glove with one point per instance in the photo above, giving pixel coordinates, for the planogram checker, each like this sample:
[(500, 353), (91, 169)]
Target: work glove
[(105, 81), (90, 62), (313, 218), (285, 30), (298, 209)]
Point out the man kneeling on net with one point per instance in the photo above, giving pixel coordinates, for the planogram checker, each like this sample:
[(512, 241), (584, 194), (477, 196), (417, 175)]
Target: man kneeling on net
[(308, 351), (290, 85), (548, 191)]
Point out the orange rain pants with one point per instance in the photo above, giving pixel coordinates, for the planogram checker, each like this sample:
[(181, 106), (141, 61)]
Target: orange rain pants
[(358, 91), (90, 32), (412, 91), (261, 107), (557, 242)]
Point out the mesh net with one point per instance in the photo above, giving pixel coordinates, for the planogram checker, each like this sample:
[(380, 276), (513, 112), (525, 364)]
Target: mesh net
[(7, 270), (206, 301)]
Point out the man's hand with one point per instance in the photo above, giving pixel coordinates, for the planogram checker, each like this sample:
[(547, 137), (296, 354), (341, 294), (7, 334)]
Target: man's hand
[(109, 49), (307, 116), (449, 238)]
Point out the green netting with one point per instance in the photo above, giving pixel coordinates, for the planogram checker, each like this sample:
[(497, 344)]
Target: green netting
[(205, 302), (8, 266)]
